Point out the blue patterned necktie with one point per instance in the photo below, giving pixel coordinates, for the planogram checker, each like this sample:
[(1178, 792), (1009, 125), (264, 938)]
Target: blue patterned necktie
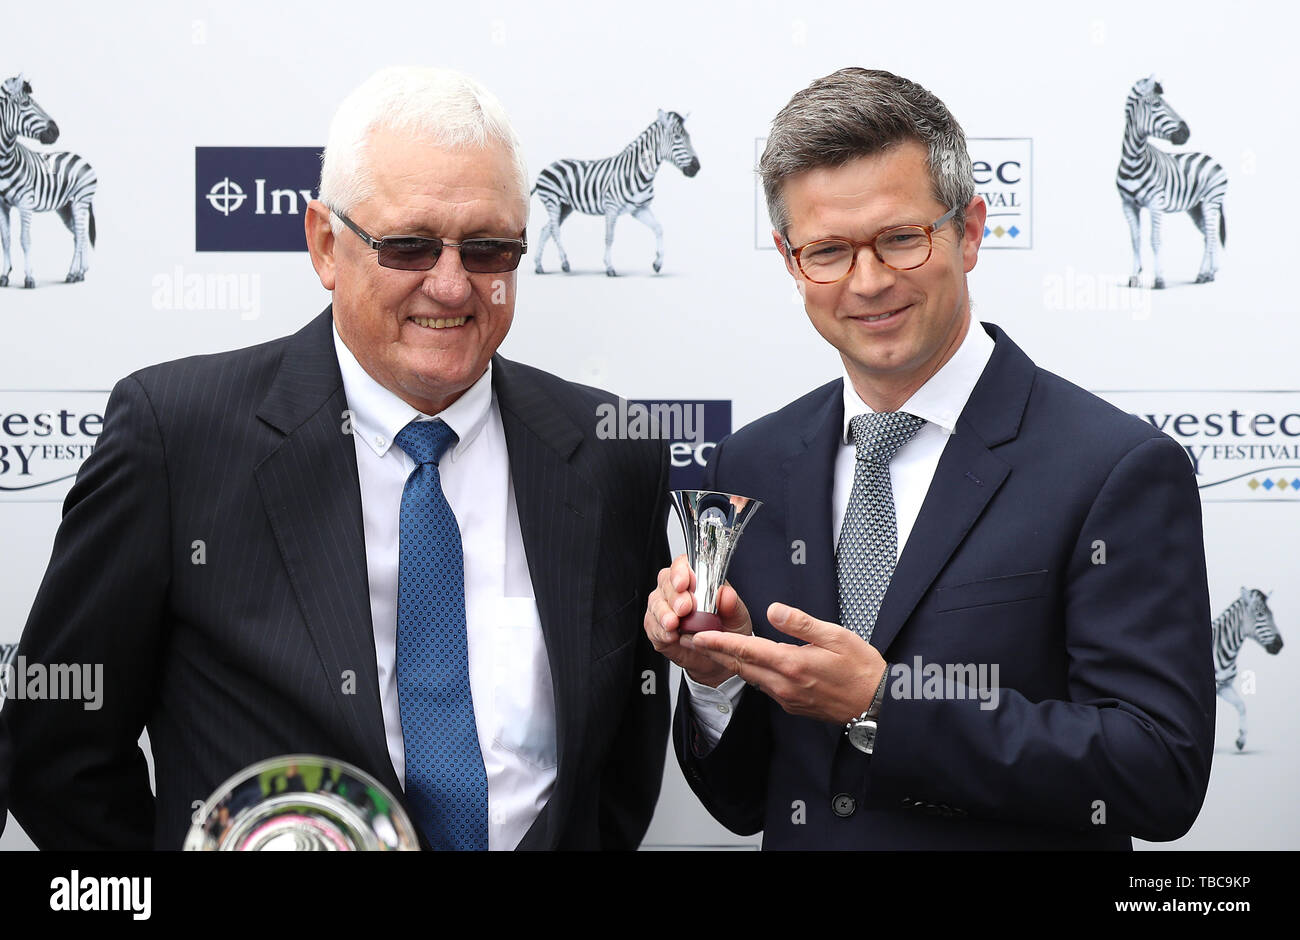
[(446, 786), (868, 548)]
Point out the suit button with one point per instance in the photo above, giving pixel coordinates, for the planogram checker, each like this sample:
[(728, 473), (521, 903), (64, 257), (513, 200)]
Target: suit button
[(843, 805)]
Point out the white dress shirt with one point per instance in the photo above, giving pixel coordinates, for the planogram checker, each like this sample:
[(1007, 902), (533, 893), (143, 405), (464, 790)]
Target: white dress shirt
[(509, 674), (939, 401)]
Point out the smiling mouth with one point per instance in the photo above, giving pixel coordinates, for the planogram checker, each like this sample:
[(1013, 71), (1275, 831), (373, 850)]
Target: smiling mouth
[(876, 318), (440, 323)]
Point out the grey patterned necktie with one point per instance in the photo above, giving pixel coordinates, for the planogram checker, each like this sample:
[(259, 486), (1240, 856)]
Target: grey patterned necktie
[(868, 548)]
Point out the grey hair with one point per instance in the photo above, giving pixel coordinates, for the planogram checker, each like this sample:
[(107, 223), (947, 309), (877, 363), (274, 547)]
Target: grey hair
[(445, 106), (857, 113)]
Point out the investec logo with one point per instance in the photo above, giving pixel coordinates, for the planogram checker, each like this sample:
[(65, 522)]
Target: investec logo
[(1003, 171), (44, 437), (1243, 445), (253, 198)]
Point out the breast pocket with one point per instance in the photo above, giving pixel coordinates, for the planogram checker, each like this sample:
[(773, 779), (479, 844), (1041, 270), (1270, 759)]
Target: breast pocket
[(613, 631), (523, 694), (1006, 589)]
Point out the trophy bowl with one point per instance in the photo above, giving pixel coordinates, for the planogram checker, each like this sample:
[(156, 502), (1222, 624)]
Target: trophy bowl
[(301, 803), (712, 523)]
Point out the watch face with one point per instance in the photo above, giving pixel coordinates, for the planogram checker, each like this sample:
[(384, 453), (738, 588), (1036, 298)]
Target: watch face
[(863, 735)]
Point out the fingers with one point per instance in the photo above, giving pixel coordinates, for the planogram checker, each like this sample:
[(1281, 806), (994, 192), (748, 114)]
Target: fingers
[(675, 586), (654, 630), (750, 657), (662, 624), (802, 626), (682, 578), (732, 610), (737, 650), (668, 603)]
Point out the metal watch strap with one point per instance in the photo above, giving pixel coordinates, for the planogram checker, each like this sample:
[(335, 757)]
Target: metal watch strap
[(874, 709)]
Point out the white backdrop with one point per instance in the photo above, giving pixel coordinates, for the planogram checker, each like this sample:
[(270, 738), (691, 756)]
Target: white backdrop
[(136, 95)]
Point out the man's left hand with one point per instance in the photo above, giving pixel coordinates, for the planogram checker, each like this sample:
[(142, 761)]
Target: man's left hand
[(832, 678)]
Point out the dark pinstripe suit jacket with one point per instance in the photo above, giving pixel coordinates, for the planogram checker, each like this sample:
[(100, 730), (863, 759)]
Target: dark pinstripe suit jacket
[(247, 655), (1106, 685)]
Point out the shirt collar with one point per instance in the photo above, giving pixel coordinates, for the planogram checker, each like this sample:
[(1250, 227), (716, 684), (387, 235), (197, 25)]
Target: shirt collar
[(378, 414), (941, 399)]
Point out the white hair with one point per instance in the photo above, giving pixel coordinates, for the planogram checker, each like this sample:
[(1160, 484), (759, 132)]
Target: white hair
[(446, 107)]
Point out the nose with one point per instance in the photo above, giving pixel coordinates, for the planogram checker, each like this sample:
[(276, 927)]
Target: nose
[(692, 168), (447, 282), (870, 275), (50, 134), (1180, 134)]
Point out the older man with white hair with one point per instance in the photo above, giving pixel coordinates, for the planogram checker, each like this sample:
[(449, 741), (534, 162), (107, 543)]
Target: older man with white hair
[(418, 556)]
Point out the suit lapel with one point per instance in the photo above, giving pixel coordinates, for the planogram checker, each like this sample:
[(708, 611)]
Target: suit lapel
[(312, 496), (560, 521), (810, 519), (967, 477), (808, 509)]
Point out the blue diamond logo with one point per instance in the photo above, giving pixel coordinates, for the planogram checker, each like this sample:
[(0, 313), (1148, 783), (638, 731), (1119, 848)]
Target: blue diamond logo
[(1268, 484), (986, 231), (1013, 231), (1296, 483)]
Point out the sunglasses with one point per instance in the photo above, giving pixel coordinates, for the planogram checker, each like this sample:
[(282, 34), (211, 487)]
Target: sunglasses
[(416, 253)]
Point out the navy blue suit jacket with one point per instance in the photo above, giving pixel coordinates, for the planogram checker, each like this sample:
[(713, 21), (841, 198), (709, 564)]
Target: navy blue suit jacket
[(1104, 724), (245, 656)]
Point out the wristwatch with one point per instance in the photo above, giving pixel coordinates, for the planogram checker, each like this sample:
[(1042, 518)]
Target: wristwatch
[(861, 731)]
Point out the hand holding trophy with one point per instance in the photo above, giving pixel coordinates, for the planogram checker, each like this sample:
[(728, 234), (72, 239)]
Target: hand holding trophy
[(712, 523)]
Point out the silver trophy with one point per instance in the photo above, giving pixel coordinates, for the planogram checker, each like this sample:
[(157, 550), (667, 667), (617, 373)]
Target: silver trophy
[(301, 803), (712, 523)]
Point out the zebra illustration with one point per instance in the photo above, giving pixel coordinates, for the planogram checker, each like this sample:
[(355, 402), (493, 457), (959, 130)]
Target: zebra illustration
[(614, 185), (41, 181), (1248, 616), (1167, 182), (7, 653)]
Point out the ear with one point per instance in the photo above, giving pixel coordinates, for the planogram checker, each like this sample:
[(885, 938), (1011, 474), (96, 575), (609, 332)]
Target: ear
[(977, 212), (320, 241), (662, 117), (785, 254)]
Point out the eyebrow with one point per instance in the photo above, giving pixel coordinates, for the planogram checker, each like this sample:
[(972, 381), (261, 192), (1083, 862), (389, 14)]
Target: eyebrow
[(407, 229), (882, 228)]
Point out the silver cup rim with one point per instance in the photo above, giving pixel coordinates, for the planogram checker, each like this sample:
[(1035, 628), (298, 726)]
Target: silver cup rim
[(198, 839)]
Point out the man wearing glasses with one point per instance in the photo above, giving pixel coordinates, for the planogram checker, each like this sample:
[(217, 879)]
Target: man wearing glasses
[(973, 611), (416, 555)]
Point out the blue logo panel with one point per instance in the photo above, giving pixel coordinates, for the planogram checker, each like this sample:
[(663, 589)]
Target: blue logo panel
[(692, 428), (253, 198)]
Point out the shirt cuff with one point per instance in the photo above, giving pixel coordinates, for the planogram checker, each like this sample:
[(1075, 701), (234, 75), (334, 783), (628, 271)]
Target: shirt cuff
[(712, 710)]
